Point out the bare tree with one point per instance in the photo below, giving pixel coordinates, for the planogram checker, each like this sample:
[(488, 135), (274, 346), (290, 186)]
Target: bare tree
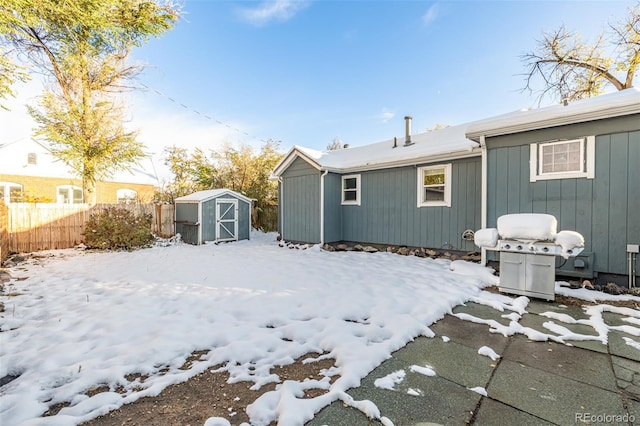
[(571, 69), (335, 144), (438, 126)]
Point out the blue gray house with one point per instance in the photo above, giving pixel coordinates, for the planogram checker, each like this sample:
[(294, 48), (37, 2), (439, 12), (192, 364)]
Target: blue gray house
[(422, 190), (579, 162)]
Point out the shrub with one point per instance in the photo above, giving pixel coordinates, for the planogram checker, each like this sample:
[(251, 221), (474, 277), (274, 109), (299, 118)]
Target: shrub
[(118, 229)]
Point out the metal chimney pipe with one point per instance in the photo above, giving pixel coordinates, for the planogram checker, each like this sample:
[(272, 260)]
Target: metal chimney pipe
[(407, 126)]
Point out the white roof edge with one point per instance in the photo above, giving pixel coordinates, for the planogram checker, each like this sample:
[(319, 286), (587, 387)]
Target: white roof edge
[(454, 155), (457, 155), (625, 102), (215, 193)]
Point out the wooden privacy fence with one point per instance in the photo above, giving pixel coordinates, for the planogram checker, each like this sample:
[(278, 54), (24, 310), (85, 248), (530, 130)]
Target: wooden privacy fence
[(4, 232), (43, 226)]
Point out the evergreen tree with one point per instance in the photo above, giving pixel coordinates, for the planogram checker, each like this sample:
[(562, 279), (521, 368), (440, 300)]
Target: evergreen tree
[(81, 47)]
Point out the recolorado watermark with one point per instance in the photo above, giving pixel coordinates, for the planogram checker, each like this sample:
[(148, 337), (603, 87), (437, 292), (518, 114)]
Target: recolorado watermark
[(591, 418)]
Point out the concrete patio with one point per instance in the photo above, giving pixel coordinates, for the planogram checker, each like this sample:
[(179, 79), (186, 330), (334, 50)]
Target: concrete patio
[(532, 383)]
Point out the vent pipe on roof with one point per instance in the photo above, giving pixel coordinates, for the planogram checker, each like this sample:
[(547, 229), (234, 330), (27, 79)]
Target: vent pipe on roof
[(407, 126), (395, 142)]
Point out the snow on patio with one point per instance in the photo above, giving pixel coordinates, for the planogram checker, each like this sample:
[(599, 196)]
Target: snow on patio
[(84, 319)]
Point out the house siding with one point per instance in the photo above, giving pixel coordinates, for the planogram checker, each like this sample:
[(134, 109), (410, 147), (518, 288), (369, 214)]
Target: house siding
[(332, 208), (388, 213), (300, 203), (604, 210)]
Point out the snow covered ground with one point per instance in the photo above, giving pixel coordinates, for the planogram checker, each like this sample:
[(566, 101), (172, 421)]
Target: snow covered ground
[(83, 319)]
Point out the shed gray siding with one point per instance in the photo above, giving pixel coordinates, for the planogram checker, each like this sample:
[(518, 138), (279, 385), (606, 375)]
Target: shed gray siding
[(388, 213), (187, 216), (208, 222), (187, 212), (605, 210), (209, 218), (300, 203)]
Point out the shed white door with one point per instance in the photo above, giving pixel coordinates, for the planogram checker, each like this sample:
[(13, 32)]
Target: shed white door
[(226, 219)]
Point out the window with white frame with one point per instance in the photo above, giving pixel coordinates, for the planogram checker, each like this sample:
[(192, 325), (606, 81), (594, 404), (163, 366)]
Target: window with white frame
[(11, 192), (434, 186), (69, 194), (574, 158), (351, 190), (126, 196)]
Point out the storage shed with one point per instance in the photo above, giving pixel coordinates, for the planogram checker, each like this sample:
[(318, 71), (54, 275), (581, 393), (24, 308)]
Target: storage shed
[(213, 215)]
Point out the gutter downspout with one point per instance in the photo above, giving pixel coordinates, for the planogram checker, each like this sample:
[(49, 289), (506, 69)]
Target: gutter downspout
[(483, 197), (281, 206), (322, 206)]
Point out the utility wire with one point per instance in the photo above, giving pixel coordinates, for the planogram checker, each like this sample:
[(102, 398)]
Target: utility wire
[(201, 113)]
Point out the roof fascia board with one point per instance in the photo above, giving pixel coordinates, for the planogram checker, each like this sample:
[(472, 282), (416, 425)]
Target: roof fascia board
[(497, 130)]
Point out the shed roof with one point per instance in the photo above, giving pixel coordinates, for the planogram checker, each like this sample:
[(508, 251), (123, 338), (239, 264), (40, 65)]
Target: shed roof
[(436, 145), (624, 102), (209, 194)]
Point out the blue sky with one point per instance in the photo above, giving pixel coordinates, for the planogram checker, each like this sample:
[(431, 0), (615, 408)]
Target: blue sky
[(306, 72)]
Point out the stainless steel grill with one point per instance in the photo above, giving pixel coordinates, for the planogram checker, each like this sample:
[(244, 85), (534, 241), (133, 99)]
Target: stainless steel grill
[(528, 267)]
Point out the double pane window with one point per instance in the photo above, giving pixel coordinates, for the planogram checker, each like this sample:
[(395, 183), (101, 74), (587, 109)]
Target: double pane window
[(351, 189), (434, 186)]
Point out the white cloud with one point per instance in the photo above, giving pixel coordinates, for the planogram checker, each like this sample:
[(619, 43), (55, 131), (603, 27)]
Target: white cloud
[(431, 14), (277, 10), (158, 126), (159, 129), (386, 115)]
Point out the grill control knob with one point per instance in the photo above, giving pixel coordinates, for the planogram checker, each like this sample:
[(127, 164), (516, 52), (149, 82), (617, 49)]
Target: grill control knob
[(545, 249), (532, 248), (519, 247), (507, 246)]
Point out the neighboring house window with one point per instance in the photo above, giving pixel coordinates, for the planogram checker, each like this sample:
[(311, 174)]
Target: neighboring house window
[(11, 192), (351, 190), (568, 159), (126, 196), (32, 158), (434, 186), (69, 194)]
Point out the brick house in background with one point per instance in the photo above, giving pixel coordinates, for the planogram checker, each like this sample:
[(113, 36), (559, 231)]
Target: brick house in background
[(28, 172)]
